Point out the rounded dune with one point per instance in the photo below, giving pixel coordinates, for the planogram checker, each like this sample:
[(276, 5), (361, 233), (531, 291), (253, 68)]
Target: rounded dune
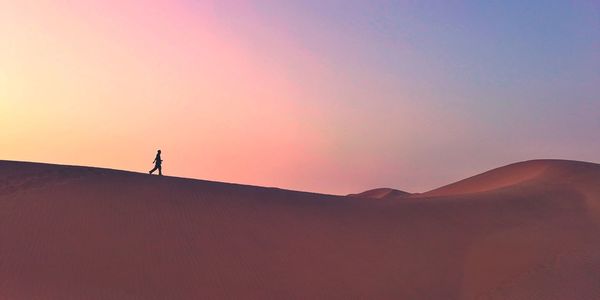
[(381, 193), (528, 172)]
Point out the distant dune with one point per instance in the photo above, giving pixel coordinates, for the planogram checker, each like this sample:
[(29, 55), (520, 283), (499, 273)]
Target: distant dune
[(381, 193), (524, 231)]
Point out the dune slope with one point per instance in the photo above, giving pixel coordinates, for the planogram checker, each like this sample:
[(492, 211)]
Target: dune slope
[(526, 231)]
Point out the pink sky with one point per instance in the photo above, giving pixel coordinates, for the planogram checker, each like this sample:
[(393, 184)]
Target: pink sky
[(273, 95)]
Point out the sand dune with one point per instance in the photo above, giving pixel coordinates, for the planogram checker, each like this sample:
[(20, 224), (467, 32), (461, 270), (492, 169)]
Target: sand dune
[(524, 231), (381, 193)]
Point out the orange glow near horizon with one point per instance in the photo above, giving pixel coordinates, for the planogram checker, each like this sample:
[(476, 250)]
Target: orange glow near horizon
[(83, 84)]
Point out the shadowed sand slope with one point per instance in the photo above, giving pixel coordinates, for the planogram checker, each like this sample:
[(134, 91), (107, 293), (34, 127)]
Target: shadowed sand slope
[(525, 231)]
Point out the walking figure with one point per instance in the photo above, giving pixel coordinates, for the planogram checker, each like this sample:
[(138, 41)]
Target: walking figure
[(157, 164)]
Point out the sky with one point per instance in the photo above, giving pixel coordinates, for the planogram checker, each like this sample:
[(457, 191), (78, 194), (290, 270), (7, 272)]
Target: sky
[(328, 96)]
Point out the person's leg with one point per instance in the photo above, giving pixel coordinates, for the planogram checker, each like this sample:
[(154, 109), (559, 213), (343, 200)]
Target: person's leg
[(160, 170), (152, 171)]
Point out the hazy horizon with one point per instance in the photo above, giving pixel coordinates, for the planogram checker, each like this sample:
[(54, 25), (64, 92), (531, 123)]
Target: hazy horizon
[(324, 96)]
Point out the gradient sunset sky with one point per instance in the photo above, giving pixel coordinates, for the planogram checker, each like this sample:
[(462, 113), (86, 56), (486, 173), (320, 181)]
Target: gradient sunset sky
[(317, 95)]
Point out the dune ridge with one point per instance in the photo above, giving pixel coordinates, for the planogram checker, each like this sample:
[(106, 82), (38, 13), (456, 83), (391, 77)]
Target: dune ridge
[(525, 231)]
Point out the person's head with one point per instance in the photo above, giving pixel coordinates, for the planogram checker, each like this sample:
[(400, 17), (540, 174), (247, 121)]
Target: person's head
[(158, 151)]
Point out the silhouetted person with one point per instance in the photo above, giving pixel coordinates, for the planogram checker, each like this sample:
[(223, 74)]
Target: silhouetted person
[(157, 164)]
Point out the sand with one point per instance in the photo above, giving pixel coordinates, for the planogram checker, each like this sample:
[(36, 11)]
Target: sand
[(524, 231), (381, 193)]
